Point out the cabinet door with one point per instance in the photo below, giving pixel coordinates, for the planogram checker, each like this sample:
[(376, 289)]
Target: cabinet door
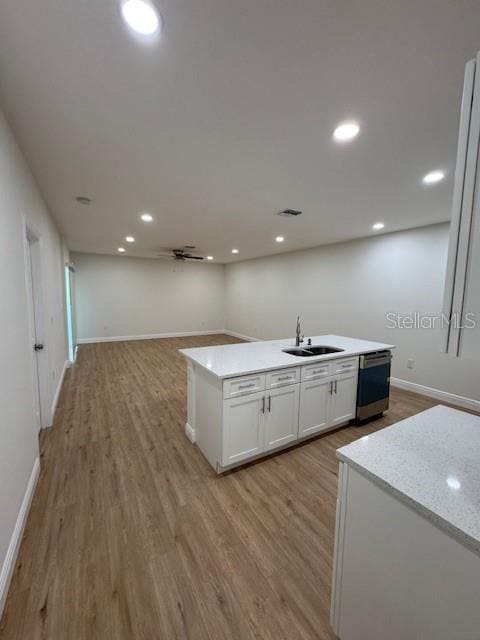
[(281, 417), (315, 400), (344, 399), (243, 426)]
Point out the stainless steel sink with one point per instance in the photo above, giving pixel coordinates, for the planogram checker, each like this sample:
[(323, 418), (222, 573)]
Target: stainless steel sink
[(312, 350)]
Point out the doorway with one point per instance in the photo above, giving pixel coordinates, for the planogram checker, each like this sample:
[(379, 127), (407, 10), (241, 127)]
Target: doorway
[(33, 255)]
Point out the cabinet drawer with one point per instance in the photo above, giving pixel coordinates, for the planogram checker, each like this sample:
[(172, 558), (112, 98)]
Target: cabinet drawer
[(282, 377), (233, 387), (317, 370), (344, 366)]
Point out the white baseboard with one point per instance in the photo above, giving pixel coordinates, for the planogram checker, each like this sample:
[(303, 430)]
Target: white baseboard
[(14, 545), (190, 432), (438, 394), (234, 334), (150, 336), (66, 365)]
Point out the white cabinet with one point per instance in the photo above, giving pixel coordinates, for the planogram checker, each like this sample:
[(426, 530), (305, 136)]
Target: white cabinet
[(314, 407), (241, 418), (317, 370), (259, 422), (461, 308), (344, 399), (243, 427), (243, 384), (282, 377), (327, 403), (281, 416), (397, 575)]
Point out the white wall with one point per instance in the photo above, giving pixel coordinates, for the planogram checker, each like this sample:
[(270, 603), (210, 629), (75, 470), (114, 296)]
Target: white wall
[(123, 296), (345, 288), (20, 199), (348, 289)]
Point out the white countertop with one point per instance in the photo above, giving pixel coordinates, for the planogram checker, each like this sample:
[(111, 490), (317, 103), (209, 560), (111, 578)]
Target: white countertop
[(230, 360), (431, 462)]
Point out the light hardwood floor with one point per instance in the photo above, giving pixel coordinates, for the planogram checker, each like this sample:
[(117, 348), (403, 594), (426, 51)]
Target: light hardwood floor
[(132, 535)]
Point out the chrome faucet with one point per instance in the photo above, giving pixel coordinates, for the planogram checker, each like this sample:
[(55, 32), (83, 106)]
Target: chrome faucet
[(298, 334)]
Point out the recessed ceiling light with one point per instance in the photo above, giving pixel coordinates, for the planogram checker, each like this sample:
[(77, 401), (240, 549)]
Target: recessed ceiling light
[(209, 257), (433, 177), (146, 217), (234, 250), (279, 239), (83, 200), (346, 131), (142, 17), (121, 250), (129, 239), (454, 483), (377, 226)]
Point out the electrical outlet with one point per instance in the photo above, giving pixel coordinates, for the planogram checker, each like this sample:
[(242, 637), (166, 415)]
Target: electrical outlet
[(410, 363)]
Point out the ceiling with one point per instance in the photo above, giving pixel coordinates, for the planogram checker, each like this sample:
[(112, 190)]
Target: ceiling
[(228, 118)]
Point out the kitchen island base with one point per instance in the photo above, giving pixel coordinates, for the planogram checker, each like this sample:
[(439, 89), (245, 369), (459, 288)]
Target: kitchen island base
[(241, 419)]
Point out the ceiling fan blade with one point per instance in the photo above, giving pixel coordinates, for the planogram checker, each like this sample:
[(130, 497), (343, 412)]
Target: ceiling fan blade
[(194, 257)]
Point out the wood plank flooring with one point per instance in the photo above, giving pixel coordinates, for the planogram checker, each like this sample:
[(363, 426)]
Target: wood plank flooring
[(132, 535)]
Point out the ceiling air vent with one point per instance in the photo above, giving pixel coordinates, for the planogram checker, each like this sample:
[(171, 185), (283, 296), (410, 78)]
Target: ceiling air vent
[(289, 213)]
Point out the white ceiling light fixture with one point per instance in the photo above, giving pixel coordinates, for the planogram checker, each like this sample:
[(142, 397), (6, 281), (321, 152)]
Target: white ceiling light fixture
[(209, 257), (378, 226), (279, 239), (121, 250), (129, 239), (235, 251), (142, 17), (146, 217), (454, 483), (433, 177), (346, 131)]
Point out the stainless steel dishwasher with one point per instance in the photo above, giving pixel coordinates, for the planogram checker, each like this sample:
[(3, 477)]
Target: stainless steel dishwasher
[(373, 390)]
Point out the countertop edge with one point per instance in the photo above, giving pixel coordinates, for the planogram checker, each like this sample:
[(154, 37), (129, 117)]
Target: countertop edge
[(458, 534)]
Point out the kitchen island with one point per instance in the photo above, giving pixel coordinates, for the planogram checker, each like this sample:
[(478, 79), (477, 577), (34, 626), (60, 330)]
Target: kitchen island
[(407, 541), (249, 399)]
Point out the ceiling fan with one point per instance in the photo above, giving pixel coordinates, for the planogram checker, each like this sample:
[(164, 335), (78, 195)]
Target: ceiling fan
[(179, 255)]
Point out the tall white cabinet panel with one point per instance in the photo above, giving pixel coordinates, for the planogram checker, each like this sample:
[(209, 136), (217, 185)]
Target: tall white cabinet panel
[(344, 399), (462, 291), (243, 427), (281, 417), (469, 342), (314, 407)]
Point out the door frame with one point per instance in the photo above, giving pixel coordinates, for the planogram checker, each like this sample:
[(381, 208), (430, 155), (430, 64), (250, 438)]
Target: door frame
[(69, 272), (33, 253)]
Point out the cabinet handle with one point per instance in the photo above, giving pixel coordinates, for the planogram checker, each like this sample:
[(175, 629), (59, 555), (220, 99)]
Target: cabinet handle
[(246, 386), (263, 404), (269, 403), (284, 378), (317, 371), (336, 383), (346, 366), (331, 387)]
